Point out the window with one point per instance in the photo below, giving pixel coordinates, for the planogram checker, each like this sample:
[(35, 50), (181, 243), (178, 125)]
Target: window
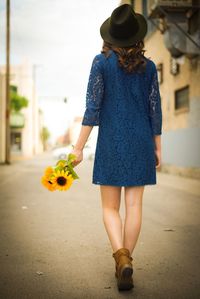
[(174, 66), (133, 3), (16, 141), (182, 98), (160, 72)]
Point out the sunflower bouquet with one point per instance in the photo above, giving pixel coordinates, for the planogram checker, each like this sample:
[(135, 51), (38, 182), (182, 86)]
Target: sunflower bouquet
[(61, 176)]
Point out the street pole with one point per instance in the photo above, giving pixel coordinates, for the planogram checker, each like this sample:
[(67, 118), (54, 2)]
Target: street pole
[(34, 105), (7, 149)]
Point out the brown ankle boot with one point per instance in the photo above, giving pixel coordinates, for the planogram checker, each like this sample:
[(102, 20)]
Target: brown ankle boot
[(124, 269)]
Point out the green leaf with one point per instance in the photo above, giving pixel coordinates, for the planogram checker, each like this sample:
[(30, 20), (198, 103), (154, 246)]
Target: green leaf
[(72, 172), (71, 158), (62, 161)]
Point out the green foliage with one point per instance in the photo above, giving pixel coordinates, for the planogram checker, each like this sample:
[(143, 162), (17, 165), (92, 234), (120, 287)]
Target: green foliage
[(17, 102), (45, 134)]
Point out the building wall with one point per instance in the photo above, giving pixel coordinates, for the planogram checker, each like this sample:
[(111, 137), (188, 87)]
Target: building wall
[(181, 129), (21, 76), (2, 118)]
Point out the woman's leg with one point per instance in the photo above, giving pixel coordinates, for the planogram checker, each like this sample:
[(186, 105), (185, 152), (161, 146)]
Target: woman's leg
[(111, 198), (133, 218)]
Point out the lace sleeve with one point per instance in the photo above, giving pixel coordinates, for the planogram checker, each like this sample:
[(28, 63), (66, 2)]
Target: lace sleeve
[(155, 110), (94, 94)]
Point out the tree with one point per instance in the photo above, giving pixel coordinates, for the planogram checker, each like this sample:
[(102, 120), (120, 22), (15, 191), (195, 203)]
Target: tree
[(45, 134), (17, 102)]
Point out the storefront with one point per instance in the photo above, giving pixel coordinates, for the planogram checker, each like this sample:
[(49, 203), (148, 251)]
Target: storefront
[(16, 124)]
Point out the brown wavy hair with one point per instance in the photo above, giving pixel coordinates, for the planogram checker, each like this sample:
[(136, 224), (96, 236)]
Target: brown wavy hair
[(130, 58)]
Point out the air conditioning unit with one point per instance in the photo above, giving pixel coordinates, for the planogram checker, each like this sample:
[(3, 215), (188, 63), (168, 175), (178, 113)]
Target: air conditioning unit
[(173, 5), (180, 16), (178, 43)]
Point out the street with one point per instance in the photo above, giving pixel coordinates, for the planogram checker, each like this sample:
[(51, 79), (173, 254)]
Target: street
[(54, 244)]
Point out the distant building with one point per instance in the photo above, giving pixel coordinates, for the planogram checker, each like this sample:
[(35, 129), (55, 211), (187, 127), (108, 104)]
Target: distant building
[(64, 139), (26, 125), (74, 130), (173, 31)]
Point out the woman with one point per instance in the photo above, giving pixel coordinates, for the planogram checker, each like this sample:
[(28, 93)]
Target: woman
[(123, 99)]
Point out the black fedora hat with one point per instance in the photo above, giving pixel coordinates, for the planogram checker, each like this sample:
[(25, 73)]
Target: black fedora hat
[(124, 27)]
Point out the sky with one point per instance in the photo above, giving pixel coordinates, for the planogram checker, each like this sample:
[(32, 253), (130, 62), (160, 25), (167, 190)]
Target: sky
[(61, 39)]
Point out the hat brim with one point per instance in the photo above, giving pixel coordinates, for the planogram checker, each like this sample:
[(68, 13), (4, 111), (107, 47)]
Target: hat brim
[(104, 31)]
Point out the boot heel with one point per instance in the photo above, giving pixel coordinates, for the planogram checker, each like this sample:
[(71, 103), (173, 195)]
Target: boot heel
[(123, 269), (125, 281)]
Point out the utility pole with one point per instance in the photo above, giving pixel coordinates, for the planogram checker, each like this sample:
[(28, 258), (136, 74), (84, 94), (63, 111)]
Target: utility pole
[(7, 149), (34, 105)]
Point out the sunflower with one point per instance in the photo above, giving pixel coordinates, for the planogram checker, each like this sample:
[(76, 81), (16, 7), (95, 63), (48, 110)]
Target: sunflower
[(61, 180), (47, 183), (48, 171)]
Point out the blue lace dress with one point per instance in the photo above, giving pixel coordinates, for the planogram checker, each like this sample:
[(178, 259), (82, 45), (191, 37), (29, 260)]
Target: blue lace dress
[(127, 109)]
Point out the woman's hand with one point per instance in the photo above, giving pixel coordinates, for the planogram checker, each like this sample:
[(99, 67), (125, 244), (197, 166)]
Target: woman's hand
[(158, 158), (79, 156)]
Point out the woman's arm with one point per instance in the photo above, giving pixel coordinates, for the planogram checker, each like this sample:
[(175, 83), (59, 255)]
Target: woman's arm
[(157, 140), (81, 141), (83, 137), (94, 96), (155, 113)]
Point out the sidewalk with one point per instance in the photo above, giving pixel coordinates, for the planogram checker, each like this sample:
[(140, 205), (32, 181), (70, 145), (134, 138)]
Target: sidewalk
[(177, 182)]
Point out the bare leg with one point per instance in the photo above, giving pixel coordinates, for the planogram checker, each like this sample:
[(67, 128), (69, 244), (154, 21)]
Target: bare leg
[(133, 219), (111, 198)]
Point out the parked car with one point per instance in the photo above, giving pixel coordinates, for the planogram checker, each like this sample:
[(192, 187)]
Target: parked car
[(88, 153), (62, 152)]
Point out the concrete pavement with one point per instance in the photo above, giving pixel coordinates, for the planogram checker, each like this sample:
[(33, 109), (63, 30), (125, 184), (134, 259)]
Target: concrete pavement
[(54, 245)]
